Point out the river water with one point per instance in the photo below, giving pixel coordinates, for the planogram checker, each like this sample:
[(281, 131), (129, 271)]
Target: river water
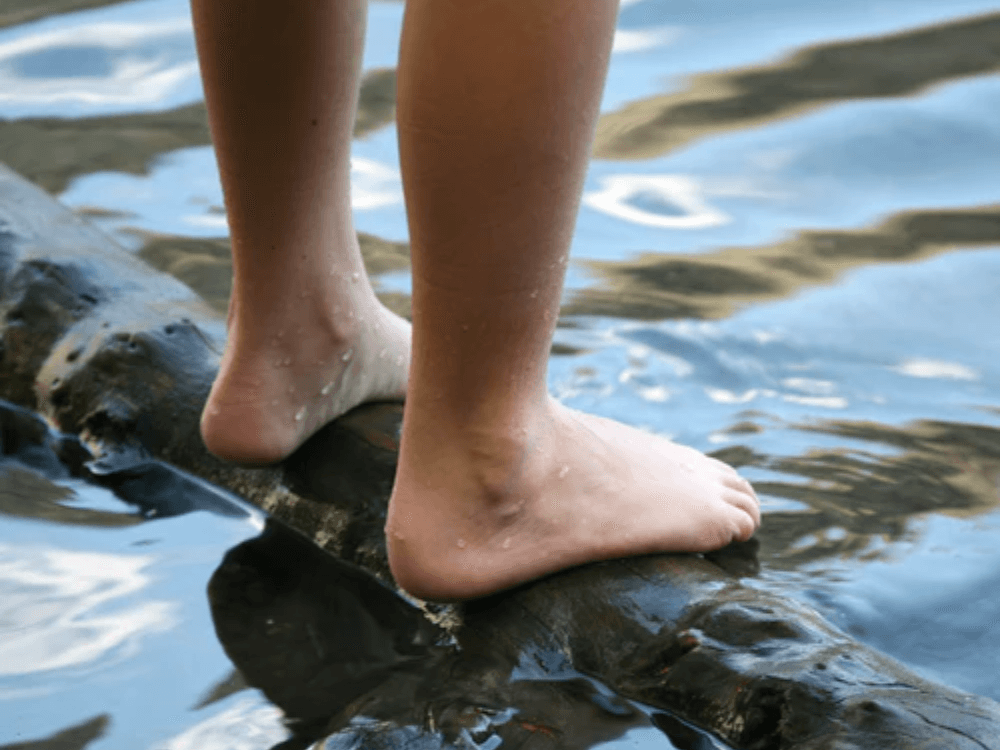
[(787, 253)]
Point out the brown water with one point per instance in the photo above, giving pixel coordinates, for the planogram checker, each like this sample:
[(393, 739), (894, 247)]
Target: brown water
[(788, 253)]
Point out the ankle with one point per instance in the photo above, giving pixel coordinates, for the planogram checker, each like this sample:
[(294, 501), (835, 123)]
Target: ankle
[(489, 464), (301, 318)]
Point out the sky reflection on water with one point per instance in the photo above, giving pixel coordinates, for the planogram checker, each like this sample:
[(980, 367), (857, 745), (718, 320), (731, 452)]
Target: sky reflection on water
[(65, 607)]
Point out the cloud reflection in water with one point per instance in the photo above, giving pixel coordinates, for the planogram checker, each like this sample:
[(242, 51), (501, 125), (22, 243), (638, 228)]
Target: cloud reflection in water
[(668, 201), (57, 607), (98, 67)]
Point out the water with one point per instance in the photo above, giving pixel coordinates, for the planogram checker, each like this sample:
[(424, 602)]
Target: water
[(796, 266)]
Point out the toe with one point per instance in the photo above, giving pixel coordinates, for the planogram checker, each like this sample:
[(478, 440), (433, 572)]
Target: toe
[(748, 504), (734, 481)]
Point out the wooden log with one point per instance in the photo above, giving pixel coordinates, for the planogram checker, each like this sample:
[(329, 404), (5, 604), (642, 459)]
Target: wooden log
[(107, 348)]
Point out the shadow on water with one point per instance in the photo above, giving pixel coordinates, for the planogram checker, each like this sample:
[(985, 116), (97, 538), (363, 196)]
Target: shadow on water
[(888, 66)]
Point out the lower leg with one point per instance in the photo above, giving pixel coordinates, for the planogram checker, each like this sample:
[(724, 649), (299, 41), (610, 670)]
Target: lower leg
[(497, 483), (308, 340)]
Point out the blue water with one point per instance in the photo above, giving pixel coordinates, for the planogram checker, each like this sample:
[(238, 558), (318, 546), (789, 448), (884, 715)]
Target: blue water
[(864, 401)]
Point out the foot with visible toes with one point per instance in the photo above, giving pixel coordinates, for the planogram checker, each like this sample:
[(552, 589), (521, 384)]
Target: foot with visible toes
[(478, 510)]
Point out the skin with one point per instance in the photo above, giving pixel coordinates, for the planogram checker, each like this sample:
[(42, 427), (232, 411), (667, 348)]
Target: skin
[(497, 483), (281, 83)]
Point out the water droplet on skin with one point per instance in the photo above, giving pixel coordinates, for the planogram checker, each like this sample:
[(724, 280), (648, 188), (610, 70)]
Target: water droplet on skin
[(563, 472), (506, 543), (300, 414), (291, 389), (288, 361), (346, 356), (461, 544), (534, 294), (326, 389), (465, 327), (355, 276), (361, 319), (274, 402)]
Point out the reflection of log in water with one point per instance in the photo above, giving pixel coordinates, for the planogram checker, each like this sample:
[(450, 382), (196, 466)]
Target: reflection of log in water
[(105, 346)]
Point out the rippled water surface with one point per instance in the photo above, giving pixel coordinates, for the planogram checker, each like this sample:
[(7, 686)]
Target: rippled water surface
[(788, 252)]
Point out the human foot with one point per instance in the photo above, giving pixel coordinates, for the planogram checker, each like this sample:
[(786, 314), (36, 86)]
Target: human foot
[(284, 377), (476, 515)]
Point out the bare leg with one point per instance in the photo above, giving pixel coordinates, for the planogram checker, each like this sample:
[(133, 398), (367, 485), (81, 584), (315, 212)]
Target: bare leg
[(498, 483), (308, 340)]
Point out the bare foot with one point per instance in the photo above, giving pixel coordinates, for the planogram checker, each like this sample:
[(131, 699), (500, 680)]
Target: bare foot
[(292, 371), (476, 515)]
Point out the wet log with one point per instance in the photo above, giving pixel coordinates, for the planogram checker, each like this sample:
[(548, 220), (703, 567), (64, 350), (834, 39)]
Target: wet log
[(108, 349)]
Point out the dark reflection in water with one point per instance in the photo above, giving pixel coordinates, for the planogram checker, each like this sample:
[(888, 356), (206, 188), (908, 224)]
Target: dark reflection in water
[(341, 654), (51, 151), (73, 738), (31, 457), (13, 12), (311, 632), (870, 497), (206, 265), (657, 286), (26, 494), (887, 66)]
